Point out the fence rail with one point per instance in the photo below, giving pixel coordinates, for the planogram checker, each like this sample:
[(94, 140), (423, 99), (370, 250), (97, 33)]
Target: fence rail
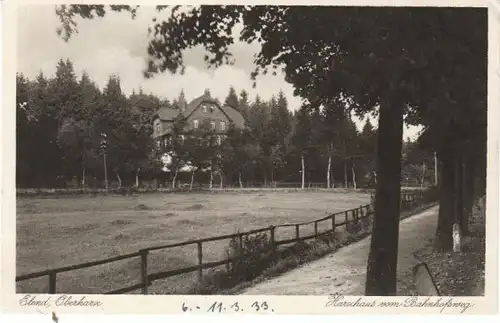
[(361, 212)]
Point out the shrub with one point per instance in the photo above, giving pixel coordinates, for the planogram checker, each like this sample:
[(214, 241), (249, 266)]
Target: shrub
[(251, 257)]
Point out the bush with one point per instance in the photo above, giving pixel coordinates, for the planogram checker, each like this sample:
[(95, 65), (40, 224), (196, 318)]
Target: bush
[(251, 257)]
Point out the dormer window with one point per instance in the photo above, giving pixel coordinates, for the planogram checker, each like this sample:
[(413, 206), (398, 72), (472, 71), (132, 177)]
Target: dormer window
[(196, 124), (212, 124), (222, 126)]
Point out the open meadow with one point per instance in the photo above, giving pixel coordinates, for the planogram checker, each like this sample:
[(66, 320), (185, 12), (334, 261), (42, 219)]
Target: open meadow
[(56, 232)]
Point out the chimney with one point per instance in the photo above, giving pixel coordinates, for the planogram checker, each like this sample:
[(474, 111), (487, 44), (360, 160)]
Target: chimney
[(207, 93)]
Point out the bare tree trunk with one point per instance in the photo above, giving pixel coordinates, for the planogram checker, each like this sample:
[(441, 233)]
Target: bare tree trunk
[(328, 172), (353, 175), (468, 193), (444, 230), (345, 174), (119, 180), (383, 256), (137, 177), (458, 192), (423, 175), (83, 176), (211, 178), (192, 180), (175, 176), (83, 168), (435, 169), (303, 171), (221, 180), (239, 179)]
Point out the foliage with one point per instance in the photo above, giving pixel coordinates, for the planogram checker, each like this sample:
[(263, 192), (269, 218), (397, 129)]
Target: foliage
[(68, 116), (232, 98), (60, 125), (251, 257)]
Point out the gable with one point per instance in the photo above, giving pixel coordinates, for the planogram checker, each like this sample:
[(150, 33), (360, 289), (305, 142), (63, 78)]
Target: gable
[(210, 111), (221, 113), (222, 116)]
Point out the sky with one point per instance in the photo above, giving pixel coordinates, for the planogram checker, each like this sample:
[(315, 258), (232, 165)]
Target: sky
[(116, 44)]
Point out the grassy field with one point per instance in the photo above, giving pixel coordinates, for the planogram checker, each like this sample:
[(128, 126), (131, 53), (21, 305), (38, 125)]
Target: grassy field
[(55, 232)]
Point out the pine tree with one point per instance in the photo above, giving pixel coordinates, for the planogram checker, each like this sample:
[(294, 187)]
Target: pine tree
[(244, 104), (232, 98)]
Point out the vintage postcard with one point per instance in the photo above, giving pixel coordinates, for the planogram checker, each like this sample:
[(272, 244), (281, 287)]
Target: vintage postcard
[(250, 158)]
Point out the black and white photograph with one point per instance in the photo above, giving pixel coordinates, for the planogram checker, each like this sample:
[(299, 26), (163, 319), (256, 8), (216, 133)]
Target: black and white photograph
[(305, 150)]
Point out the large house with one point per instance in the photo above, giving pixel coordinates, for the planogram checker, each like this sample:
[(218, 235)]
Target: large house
[(198, 111)]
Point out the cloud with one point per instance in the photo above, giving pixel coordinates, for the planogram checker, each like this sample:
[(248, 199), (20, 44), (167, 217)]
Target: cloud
[(117, 45)]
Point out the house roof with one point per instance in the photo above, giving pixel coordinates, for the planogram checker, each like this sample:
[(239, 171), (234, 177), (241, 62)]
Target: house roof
[(167, 113), (170, 114), (235, 116)]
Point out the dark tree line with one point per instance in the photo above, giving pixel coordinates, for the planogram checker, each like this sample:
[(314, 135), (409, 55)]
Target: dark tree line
[(59, 125), (61, 120)]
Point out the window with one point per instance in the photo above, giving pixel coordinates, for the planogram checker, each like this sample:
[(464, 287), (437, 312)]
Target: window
[(158, 144), (204, 107), (212, 124), (219, 140), (181, 139), (212, 109), (222, 126), (158, 128), (195, 124), (165, 142)]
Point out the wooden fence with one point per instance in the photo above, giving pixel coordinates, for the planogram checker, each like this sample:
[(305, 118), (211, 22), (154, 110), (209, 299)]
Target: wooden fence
[(408, 200)]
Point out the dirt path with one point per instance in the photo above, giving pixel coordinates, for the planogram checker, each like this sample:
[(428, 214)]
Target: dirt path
[(344, 271)]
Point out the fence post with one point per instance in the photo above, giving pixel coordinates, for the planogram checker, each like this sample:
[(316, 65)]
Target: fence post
[(333, 222), (52, 282), (346, 217), (316, 229), (200, 262), (361, 211), (272, 230), (240, 236), (297, 234), (144, 271)]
